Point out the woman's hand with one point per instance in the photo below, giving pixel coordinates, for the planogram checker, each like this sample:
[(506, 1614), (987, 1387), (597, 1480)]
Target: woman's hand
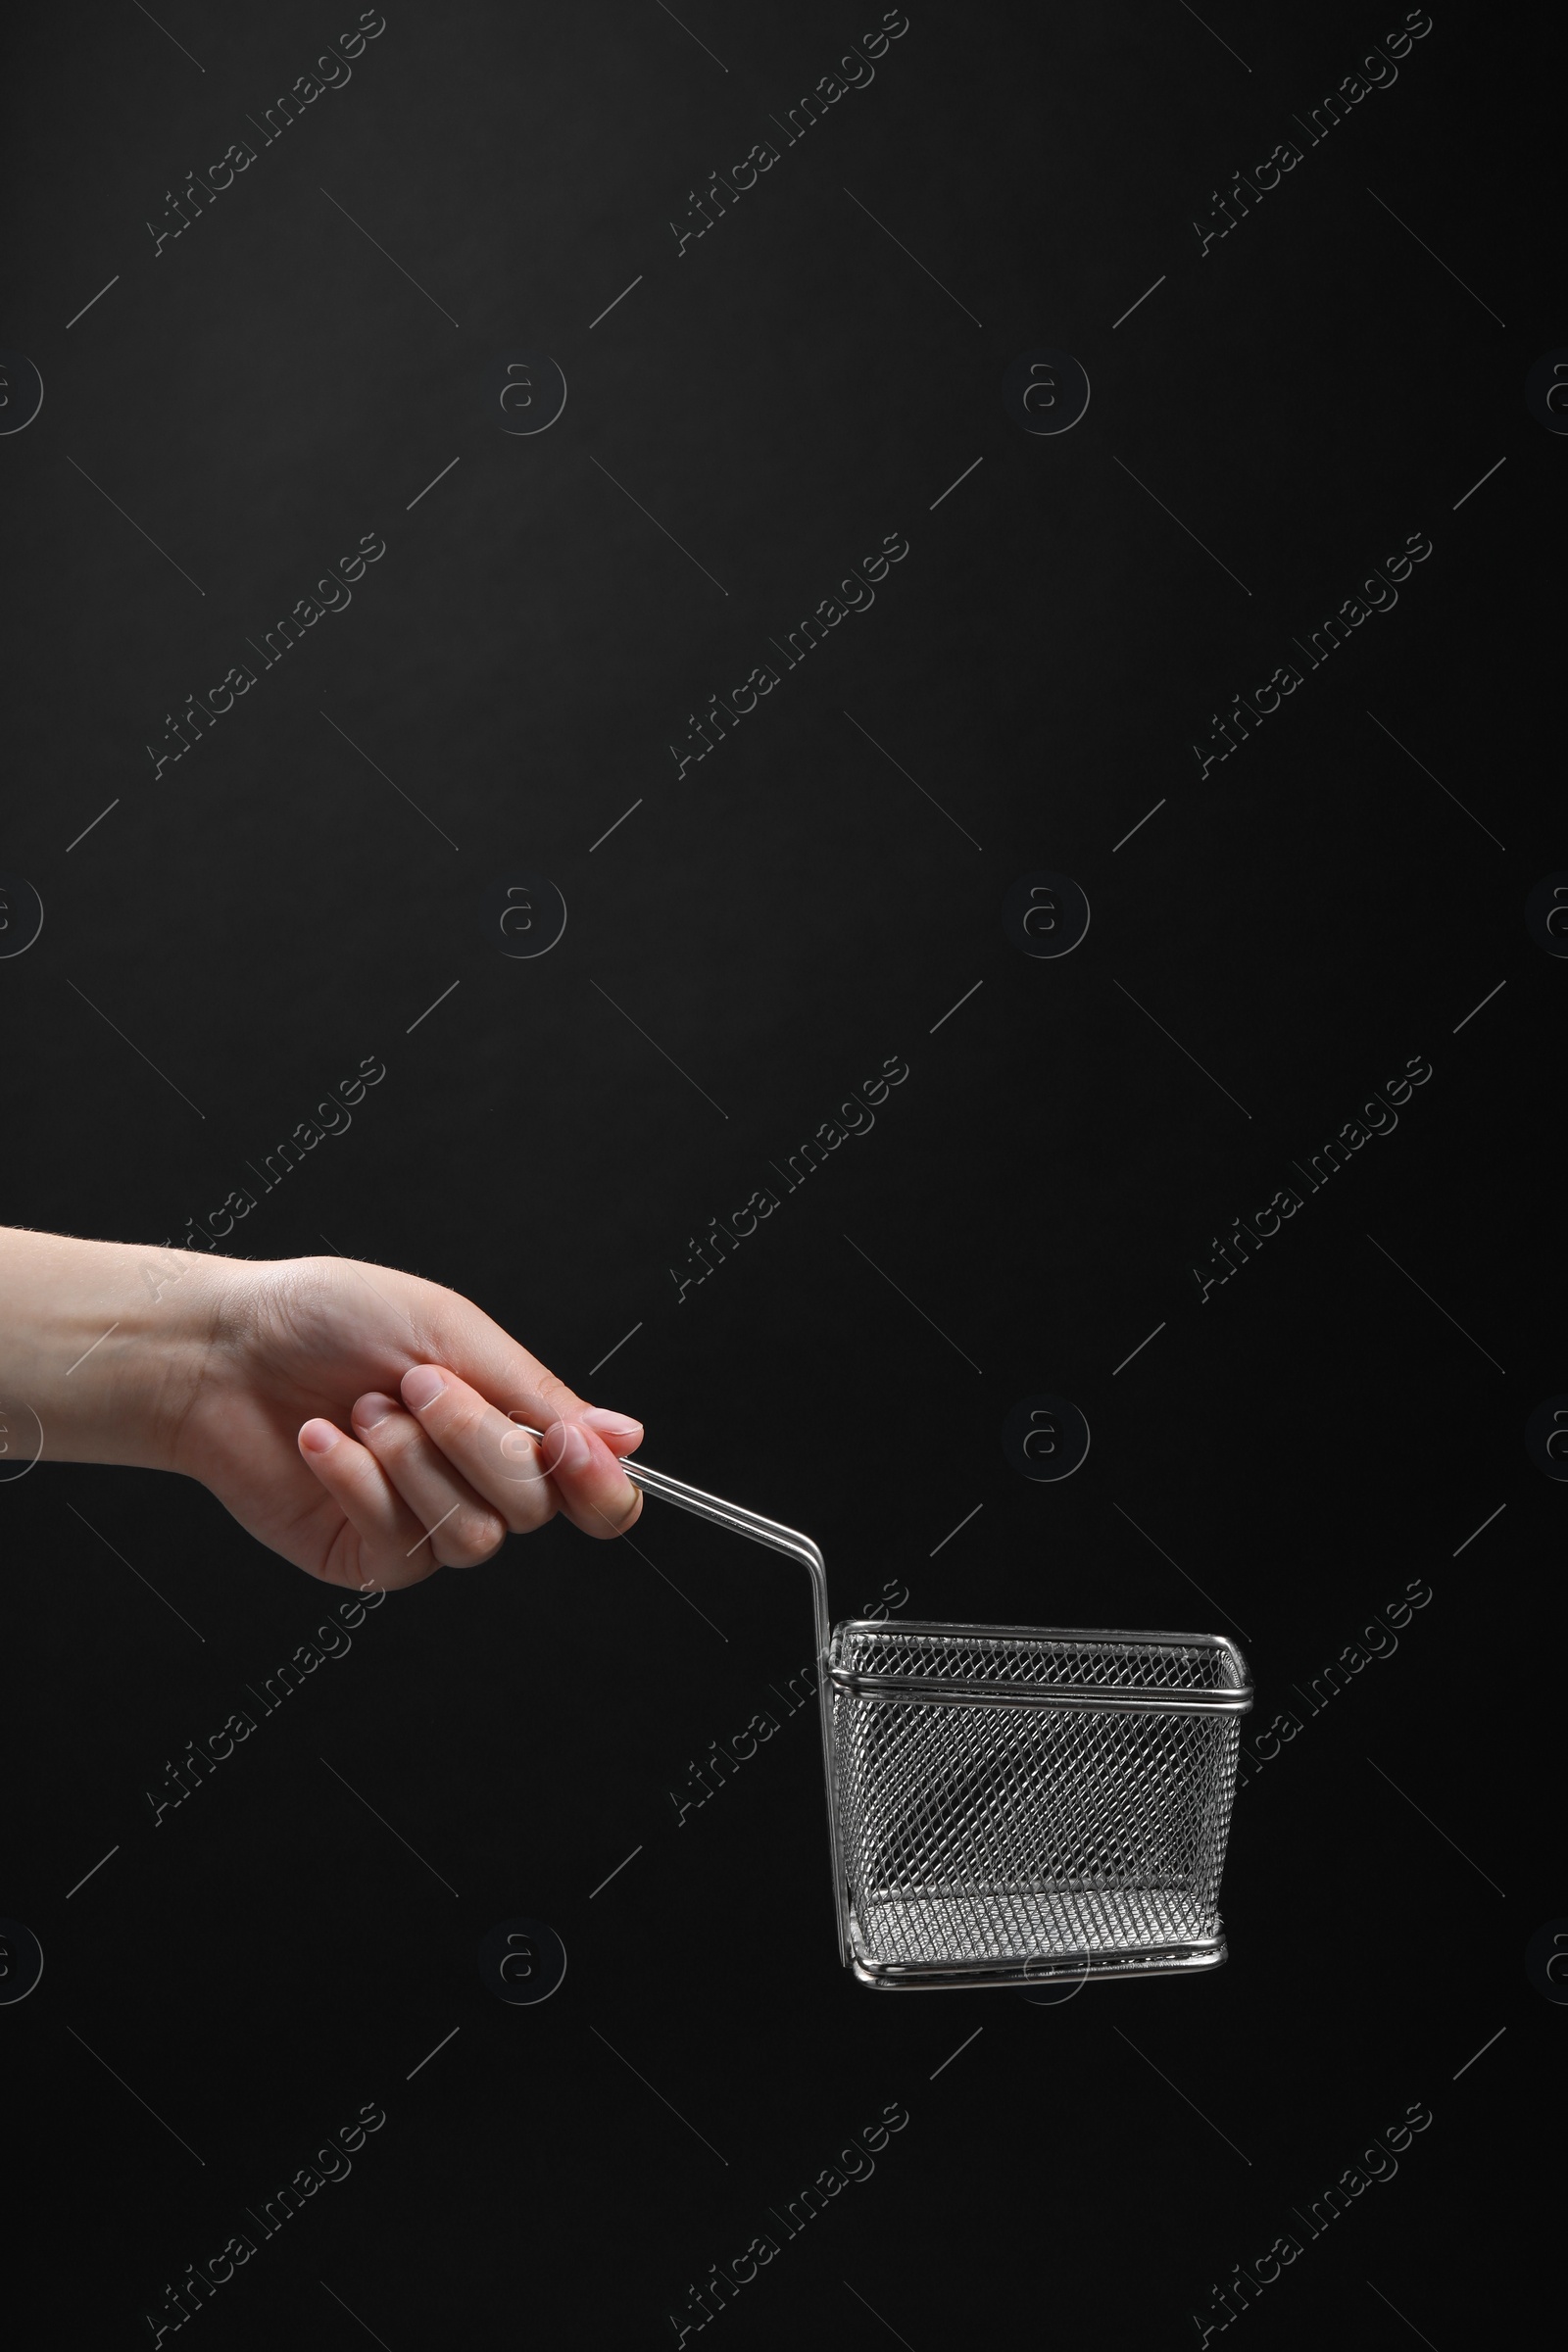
[(353, 1418), (356, 1419)]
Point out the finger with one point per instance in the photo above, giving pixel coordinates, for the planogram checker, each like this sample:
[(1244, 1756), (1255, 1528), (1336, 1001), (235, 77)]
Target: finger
[(620, 1433), (462, 1527), (576, 1463), (496, 1458), (465, 1341), (596, 1495), (388, 1534)]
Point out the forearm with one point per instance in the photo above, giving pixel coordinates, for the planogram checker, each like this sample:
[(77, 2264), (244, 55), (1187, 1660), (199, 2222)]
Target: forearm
[(102, 1344)]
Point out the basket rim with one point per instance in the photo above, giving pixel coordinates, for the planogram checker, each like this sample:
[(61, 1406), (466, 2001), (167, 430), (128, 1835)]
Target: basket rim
[(1234, 1696)]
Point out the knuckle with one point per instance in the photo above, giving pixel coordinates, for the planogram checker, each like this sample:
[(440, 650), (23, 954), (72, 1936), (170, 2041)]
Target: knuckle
[(531, 1509), (473, 1536), (459, 1413), (556, 1395), (393, 1438)]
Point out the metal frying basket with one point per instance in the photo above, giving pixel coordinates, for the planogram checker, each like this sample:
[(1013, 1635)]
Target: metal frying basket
[(1014, 1804)]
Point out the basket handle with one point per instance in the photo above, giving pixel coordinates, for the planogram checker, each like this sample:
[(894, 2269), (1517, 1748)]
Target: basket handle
[(777, 1538), (795, 1546)]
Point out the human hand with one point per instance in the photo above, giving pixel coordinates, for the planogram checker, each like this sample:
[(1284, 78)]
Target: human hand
[(355, 1419)]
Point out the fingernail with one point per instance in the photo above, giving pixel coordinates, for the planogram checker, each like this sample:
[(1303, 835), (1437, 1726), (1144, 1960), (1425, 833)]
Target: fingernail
[(422, 1387), (371, 1411), (574, 1452), (611, 1425), (318, 1436)]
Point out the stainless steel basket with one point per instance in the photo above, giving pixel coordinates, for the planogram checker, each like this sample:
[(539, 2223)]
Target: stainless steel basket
[(1010, 1805), (1016, 1803)]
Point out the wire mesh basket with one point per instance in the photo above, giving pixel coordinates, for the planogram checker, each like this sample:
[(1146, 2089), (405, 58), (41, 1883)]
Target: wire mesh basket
[(1018, 1804), (1009, 1805)]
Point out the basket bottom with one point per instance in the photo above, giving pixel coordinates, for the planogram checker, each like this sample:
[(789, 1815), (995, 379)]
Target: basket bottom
[(1032, 1936)]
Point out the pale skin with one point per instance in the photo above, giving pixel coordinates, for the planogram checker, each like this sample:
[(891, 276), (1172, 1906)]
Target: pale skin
[(350, 1417)]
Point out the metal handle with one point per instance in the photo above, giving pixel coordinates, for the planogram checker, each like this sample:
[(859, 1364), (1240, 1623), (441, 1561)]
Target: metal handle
[(777, 1538), (795, 1546), (740, 1522)]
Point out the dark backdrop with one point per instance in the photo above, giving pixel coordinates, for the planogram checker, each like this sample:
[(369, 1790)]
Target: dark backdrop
[(311, 362)]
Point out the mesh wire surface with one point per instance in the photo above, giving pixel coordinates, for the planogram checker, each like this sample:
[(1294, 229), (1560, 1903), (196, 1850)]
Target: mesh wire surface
[(989, 1832), (962, 1653)]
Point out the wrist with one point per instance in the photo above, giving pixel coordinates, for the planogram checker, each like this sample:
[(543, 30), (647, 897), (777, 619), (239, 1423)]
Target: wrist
[(106, 1344)]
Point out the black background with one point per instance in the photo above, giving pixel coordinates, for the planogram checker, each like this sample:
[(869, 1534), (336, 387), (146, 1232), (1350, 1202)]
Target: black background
[(780, 394)]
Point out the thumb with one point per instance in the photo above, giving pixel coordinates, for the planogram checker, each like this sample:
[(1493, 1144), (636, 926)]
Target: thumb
[(478, 1351)]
